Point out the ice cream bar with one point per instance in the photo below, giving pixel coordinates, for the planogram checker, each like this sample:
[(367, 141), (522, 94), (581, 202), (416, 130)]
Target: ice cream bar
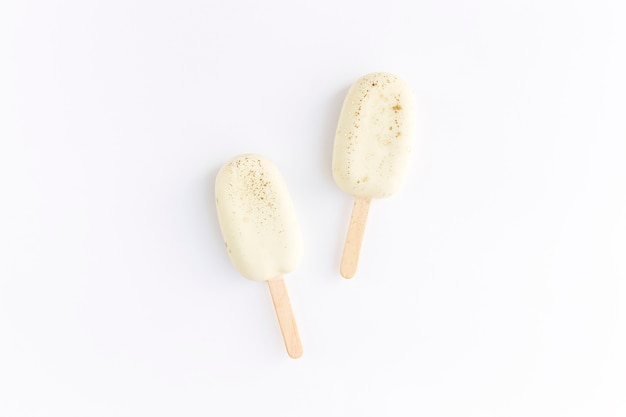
[(373, 144), (261, 231)]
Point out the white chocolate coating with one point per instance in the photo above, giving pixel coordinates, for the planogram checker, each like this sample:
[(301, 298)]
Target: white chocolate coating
[(374, 136), (257, 218)]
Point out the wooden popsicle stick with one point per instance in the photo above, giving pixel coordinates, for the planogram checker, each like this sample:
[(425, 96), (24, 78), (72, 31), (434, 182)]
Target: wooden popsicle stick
[(286, 320), (352, 247)]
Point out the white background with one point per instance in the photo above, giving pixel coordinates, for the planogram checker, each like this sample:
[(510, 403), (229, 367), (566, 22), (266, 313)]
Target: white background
[(493, 284)]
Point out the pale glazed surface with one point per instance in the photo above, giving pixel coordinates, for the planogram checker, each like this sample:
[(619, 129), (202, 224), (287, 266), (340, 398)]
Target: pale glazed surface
[(374, 136), (257, 218)]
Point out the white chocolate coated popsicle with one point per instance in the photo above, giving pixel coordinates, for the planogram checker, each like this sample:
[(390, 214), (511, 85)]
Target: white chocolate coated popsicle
[(374, 136), (261, 231), (373, 145), (257, 217)]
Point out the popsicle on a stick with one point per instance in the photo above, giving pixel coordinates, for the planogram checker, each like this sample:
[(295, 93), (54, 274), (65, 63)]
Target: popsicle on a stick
[(261, 231), (373, 144)]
